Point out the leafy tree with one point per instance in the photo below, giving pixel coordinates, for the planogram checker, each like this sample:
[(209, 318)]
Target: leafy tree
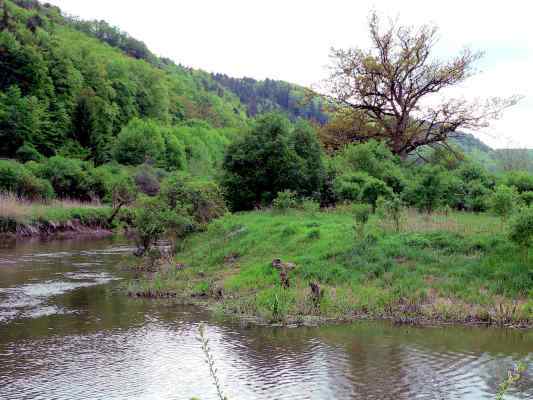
[(305, 143), (503, 201), (263, 163), (138, 142), (382, 91), (427, 190)]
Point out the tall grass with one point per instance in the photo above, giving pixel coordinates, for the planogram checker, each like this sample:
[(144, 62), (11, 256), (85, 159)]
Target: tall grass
[(22, 211)]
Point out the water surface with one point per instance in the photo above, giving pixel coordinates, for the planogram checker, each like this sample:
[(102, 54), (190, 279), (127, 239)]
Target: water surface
[(68, 332)]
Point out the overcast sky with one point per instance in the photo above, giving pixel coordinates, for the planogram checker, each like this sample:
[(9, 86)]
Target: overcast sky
[(290, 40)]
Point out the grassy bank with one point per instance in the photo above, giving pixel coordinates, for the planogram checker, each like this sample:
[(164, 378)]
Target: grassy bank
[(20, 218), (451, 268)]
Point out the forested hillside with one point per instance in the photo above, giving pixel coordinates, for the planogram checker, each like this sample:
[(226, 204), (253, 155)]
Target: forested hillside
[(271, 95), (69, 87)]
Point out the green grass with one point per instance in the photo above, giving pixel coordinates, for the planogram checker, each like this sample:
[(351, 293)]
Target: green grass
[(458, 267)]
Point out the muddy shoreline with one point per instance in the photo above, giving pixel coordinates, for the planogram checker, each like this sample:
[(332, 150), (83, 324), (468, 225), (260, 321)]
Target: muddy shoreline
[(54, 231), (396, 318)]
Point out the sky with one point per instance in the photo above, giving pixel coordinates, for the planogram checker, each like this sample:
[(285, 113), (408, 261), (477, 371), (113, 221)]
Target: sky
[(291, 39)]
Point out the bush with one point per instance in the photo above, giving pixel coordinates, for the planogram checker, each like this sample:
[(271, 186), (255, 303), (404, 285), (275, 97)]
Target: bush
[(202, 200), (347, 187), (521, 180), (361, 214), (373, 189), (503, 201), (16, 178), (285, 201), (146, 181), (427, 190), (375, 159), (269, 160), (69, 177), (138, 142), (521, 228), (27, 153), (392, 210), (150, 221), (527, 198)]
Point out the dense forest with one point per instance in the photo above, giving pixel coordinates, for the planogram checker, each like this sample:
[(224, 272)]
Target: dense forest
[(270, 95)]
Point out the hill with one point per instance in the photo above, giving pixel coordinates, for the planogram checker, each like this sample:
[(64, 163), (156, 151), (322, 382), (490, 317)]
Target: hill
[(271, 95), (69, 86)]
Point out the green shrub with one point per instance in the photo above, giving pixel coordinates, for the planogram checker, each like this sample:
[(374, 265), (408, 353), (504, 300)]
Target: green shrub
[(152, 219), (70, 178), (285, 201), (427, 191), (375, 159), (203, 200), (373, 189), (361, 214), (521, 180), (347, 187), (503, 201), (138, 142), (16, 178), (392, 210), (527, 198), (521, 228), (27, 153), (269, 160)]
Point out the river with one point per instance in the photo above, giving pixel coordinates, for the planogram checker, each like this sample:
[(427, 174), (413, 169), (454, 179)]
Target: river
[(67, 332)]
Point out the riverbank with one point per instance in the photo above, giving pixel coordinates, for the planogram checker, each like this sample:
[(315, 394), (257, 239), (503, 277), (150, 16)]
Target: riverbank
[(456, 268), (55, 219)]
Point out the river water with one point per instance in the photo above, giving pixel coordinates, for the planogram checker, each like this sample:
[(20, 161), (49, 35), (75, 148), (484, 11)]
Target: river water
[(67, 332)]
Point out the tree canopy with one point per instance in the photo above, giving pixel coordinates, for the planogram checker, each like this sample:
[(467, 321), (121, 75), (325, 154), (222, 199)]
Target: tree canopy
[(394, 91)]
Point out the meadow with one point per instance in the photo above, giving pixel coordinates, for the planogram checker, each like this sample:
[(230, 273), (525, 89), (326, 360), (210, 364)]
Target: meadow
[(446, 267)]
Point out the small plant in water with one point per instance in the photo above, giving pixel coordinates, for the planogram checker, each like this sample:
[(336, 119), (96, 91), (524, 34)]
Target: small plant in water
[(204, 340), (513, 376)]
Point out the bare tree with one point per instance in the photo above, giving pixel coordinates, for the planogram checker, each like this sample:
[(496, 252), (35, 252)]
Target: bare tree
[(386, 92)]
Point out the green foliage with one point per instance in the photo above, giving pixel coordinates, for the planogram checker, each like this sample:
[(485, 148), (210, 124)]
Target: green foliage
[(17, 179), (393, 210), (361, 213), (202, 200), (285, 201), (373, 158), (269, 96), (79, 83), (70, 178), (347, 187), (503, 201), (527, 198), (521, 228), (263, 163), (138, 142), (373, 189), (151, 220), (28, 152), (521, 180), (426, 191)]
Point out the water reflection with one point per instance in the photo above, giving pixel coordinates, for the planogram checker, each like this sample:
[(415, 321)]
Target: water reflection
[(88, 341)]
